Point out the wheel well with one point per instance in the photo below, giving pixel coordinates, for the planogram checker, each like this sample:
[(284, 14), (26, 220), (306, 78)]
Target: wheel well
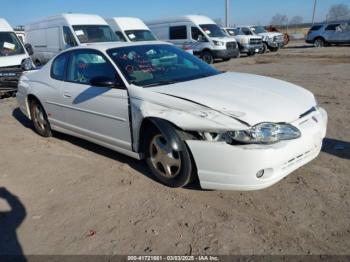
[(148, 123), (31, 98), (319, 37)]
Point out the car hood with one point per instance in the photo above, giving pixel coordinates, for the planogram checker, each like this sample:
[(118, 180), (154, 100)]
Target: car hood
[(270, 34), (249, 98), (12, 60)]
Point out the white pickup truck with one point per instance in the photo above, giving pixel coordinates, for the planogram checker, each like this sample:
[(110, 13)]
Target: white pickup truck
[(248, 42), (272, 41)]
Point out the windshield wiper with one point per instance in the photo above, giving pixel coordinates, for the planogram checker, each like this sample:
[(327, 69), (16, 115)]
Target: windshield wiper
[(169, 82)]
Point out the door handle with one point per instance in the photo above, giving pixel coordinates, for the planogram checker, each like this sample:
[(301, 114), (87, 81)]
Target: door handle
[(66, 94)]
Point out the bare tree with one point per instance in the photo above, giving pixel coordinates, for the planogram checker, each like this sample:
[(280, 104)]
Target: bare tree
[(279, 19), (219, 22), (296, 20), (338, 12)]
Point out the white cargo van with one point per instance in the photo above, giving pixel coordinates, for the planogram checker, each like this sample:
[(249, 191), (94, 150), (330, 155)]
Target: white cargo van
[(13, 58), (130, 29), (206, 38), (51, 35)]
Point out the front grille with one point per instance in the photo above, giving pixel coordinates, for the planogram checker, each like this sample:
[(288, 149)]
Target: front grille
[(279, 39), (9, 76), (231, 45), (255, 41)]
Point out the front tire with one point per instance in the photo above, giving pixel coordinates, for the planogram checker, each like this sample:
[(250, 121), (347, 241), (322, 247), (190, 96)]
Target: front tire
[(319, 42), (273, 49), (171, 167), (39, 119), (207, 56), (264, 50)]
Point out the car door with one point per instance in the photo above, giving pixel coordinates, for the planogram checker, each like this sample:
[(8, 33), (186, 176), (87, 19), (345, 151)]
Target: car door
[(99, 112), (331, 34)]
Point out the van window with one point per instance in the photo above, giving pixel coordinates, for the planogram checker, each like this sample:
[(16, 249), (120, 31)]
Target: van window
[(332, 27), (196, 33), (87, 64), (94, 33), (68, 37), (10, 44), (140, 35), (178, 32), (58, 67), (120, 36)]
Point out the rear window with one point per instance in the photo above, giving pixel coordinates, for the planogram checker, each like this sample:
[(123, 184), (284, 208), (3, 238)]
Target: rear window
[(178, 32), (315, 28)]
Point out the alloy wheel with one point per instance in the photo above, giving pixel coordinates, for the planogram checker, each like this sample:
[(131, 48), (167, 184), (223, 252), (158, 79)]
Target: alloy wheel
[(165, 160)]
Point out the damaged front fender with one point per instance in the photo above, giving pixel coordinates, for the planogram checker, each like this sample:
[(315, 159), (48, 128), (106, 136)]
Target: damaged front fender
[(183, 114)]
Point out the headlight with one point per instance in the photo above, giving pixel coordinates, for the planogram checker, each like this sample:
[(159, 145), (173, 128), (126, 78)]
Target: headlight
[(27, 64), (264, 133), (218, 43)]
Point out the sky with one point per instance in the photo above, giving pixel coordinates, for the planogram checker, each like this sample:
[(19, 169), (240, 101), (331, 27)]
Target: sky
[(19, 12)]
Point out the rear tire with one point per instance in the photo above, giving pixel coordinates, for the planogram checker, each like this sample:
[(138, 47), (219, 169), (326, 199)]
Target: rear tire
[(172, 168), (39, 119), (207, 56)]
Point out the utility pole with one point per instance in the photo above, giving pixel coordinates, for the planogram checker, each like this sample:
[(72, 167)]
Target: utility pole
[(313, 14), (227, 13)]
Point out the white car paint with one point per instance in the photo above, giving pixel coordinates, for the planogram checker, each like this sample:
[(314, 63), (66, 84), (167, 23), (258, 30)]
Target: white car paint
[(225, 102)]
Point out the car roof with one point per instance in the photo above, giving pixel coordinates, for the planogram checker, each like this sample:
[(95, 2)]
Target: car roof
[(108, 45)]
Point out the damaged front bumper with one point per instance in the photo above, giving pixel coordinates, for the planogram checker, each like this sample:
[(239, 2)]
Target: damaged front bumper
[(9, 77), (251, 167)]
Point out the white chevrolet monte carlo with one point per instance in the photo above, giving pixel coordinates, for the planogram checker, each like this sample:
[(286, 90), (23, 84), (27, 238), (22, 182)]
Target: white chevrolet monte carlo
[(151, 100)]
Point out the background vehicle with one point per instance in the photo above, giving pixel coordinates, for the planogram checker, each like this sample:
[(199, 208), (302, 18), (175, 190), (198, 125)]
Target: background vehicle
[(271, 40), (327, 34), (248, 42), (130, 29), (51, 35), (13, 57), (152, 100), (274, 29), (207, 39)]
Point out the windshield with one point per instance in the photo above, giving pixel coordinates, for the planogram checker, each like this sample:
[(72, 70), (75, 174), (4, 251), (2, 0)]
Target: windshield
[(259, 29), (212, 30), (152, 65), (140, 35), (94, 33), (10, 45)]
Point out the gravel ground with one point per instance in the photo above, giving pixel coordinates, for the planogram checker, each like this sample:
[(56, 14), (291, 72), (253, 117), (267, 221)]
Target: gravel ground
[(78, 198)]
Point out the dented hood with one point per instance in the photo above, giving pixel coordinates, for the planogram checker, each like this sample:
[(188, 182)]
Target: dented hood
[(250, 98)]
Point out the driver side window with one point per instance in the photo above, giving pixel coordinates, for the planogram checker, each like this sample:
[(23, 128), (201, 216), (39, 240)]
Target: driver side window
[(88, 64)]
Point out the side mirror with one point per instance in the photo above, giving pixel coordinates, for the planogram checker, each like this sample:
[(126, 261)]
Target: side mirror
[(104, 81), (29, 49)]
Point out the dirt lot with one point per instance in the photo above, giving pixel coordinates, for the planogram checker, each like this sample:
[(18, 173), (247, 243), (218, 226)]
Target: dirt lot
[(79, 198)]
